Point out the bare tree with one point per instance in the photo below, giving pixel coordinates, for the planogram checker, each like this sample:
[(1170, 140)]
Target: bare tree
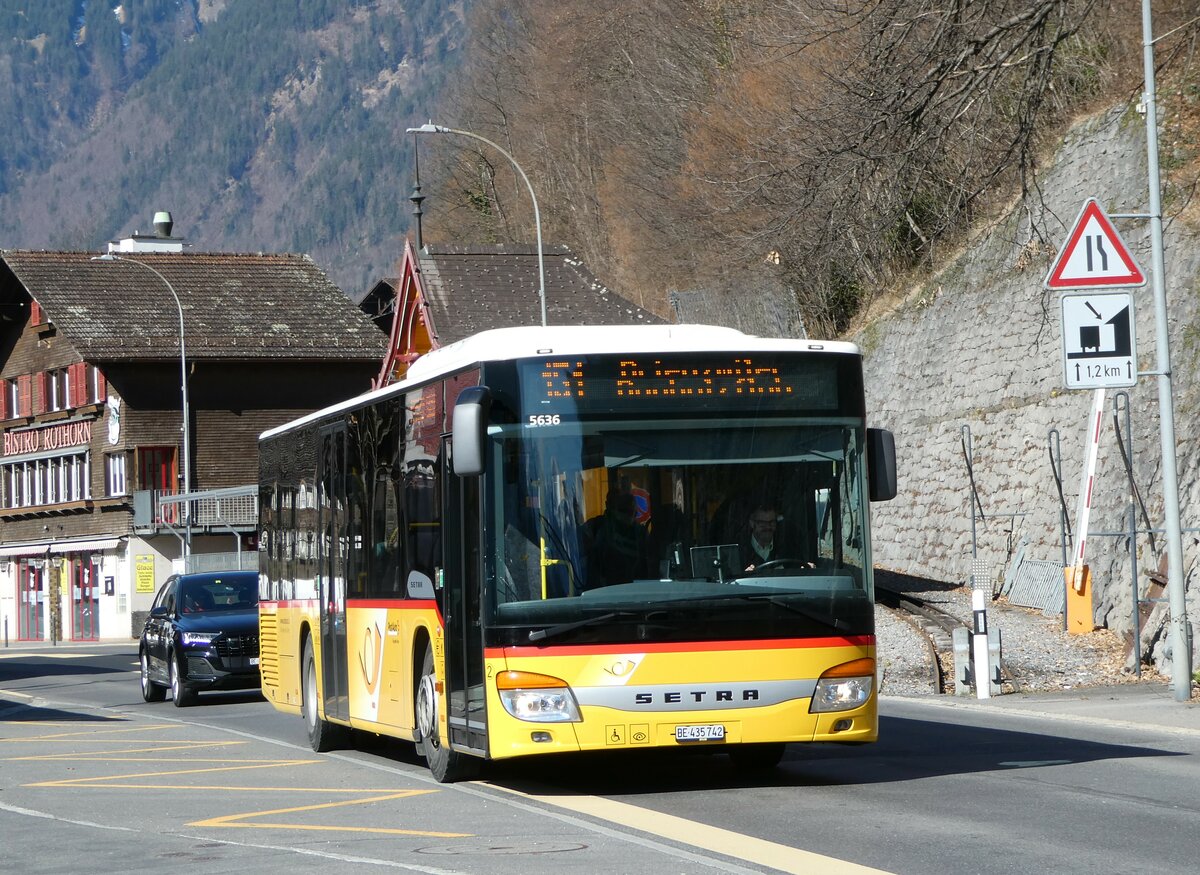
[(840, 141)]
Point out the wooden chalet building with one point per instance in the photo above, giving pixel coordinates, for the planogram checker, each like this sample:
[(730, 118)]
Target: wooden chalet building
[(91, 518), (446, 293)]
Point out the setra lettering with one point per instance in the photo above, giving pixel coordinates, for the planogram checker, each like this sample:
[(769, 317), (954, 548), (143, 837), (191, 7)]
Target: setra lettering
[(700, 697)]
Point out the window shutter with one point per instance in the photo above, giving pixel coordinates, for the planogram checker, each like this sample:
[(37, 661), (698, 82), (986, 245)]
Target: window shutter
[(101, 386), (35, 313), (25, 395), (78, 379), (41, 393), (3, 399)]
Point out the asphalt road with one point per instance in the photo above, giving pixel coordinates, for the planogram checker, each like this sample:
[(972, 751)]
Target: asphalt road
[(94, 779)]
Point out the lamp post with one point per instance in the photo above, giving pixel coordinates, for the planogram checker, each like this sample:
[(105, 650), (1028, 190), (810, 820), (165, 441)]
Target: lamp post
[(187, 438), (431, 128)]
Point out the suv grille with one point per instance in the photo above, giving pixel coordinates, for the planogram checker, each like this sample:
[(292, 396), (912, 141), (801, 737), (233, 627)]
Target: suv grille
[(232, 648)]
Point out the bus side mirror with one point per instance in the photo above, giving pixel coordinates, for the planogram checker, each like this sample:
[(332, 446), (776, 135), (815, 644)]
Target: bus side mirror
[(881, 464), (469, 430)]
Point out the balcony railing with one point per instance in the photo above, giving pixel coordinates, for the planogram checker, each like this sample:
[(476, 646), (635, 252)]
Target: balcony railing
[(235, 507)]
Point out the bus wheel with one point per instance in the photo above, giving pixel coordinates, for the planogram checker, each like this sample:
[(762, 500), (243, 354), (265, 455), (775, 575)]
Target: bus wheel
[(445, 764), (322, 734), (756, 757)]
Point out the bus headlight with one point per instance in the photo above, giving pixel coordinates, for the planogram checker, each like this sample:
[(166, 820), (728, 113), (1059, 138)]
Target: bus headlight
[(537, 698), (844, 686)]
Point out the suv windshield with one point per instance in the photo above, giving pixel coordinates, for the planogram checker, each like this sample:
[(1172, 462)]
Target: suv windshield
[(700, 529), (218, 593)]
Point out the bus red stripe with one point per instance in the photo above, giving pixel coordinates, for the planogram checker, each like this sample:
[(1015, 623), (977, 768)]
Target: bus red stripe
[(679, 646)]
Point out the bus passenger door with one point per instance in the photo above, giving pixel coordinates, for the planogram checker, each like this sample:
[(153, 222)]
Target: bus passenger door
[(331, 504), (461, 560)]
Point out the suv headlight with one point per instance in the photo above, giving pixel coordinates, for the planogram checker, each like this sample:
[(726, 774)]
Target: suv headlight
[(537, 698), (196, 639), (844, 686)]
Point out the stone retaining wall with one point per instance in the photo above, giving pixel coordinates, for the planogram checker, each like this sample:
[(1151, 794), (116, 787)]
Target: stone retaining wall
[(980, 346)]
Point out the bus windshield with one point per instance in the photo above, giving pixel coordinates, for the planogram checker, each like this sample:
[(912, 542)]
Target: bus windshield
[(687, 529)]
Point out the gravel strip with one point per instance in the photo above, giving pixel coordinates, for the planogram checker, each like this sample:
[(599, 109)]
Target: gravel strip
[(1037, 651)]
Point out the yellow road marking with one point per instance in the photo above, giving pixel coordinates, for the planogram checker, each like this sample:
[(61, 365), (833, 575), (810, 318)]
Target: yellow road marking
[(118, 757), (732, 844), (105, 734), (187, 745), (103, 781), (248, 820), (238, 820)]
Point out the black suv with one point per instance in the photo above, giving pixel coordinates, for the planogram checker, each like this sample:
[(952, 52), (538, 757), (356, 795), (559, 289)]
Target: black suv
[(202, 634)]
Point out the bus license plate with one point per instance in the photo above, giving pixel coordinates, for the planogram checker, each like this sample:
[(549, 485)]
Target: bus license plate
[(703, 732)]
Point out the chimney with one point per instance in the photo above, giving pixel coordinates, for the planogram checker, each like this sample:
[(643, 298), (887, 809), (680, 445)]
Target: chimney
[(163, 224), (160, 241)]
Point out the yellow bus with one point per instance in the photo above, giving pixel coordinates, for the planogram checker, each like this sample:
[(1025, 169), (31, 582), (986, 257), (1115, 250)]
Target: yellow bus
[(540, 541)]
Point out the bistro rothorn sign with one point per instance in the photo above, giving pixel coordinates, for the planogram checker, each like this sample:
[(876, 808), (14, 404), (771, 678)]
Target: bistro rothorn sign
[(50, 437)]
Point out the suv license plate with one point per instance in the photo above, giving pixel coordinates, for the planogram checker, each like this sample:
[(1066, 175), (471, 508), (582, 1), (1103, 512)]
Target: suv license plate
[(703, 732)]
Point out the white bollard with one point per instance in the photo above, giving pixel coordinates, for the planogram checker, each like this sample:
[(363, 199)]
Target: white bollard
[(979, 646)]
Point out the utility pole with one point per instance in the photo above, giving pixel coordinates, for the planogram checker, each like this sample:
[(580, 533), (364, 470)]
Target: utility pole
[(1181, 657)]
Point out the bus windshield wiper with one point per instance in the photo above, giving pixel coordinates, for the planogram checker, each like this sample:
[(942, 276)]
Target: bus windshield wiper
[(563, 628), (819, 616)]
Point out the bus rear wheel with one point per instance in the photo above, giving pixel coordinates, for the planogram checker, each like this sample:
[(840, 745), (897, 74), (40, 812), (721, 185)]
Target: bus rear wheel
[(322, 735), (445, 764)]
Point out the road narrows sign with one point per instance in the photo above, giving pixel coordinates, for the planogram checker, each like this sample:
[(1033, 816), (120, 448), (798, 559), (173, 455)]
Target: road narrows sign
[(1094, 256)]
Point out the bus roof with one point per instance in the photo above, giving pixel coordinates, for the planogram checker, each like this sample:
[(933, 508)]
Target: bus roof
[(507, 344)]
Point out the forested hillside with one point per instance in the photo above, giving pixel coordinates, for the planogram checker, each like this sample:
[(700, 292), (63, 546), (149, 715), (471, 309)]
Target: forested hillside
[(823, 148), (261, 125)]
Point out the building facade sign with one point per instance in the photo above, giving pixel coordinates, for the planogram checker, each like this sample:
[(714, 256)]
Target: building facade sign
[(49, 437)]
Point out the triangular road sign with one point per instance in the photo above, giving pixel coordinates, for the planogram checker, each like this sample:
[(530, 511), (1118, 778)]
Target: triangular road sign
[(1095, 256)]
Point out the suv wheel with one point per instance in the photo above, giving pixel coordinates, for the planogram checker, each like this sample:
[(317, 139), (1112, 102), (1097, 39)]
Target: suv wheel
[(180, 694), (151, 692)]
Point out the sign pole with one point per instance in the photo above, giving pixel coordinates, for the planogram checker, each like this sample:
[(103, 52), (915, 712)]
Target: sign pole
[(1181, 680)]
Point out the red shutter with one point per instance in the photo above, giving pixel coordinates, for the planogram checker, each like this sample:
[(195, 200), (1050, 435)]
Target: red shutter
[(78, 381), (41, 394), (25, 395), (101, 386), (35, 313), (3, 399)]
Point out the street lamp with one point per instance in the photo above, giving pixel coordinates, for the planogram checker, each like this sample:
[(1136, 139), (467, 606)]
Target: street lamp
[(431, 128), (187, 439)]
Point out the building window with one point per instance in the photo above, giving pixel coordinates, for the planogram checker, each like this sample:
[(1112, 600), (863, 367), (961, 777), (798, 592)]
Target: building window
[(156, 469), (58, 389), (114, 474), (12, 399), (36, 482), (96, 387)]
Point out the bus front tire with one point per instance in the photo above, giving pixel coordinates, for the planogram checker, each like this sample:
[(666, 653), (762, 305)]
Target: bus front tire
[(446, 765), (322, 735)]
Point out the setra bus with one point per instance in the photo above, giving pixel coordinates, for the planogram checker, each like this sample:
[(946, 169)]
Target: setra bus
[(536, 543)]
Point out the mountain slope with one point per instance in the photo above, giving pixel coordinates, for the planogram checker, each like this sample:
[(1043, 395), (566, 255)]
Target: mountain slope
[(261, 126)]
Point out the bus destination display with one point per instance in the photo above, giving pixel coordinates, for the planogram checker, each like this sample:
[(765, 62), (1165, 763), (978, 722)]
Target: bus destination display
[(726, 380)]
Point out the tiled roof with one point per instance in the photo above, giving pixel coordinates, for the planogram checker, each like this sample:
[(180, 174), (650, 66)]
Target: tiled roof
[(235, 306), (473, 288)]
